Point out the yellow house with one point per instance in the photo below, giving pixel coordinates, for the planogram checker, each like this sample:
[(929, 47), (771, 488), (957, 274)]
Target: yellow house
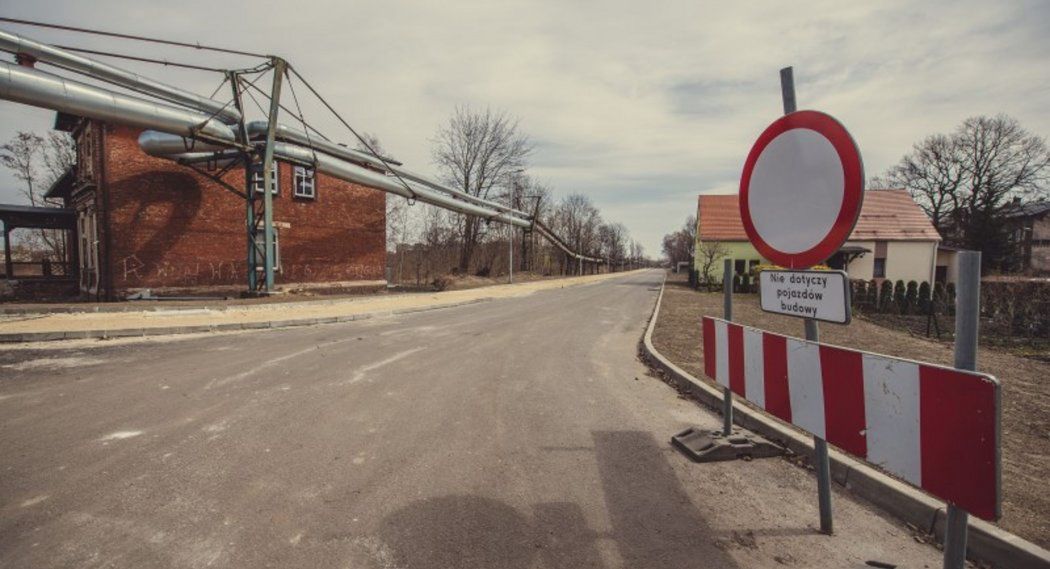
[(893, 239)]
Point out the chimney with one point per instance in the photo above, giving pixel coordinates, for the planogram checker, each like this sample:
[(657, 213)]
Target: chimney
[(25, 60)]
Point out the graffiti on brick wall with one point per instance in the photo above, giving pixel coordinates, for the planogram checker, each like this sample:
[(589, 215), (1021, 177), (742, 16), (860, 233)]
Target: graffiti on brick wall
[(135, 272), (131, 265)]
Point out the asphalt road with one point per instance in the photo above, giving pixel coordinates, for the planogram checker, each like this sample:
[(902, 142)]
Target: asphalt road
[(515, 433)]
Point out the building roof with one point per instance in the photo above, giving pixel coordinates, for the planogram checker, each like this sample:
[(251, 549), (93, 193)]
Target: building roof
[(63, 186), (14, 215), (1030, 209), (66, 122), (887, 215)]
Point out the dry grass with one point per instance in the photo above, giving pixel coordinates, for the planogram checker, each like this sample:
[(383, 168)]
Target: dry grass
[(1025, 381)]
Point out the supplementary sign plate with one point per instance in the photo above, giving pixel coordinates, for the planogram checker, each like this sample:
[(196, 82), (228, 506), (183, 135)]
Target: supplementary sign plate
[(821, 295)]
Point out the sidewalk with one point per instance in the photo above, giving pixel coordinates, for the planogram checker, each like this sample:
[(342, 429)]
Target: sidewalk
[(153, 321)]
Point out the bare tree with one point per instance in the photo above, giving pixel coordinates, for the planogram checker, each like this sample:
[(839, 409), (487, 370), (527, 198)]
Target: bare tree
[(970, 181), (708, 254), (477, 152), (932, 172), (22, 156), (39, 162), (576, 220), (60, 154), (689, 230), (612, 239), (637, 255), (680, 246), (370, 143)]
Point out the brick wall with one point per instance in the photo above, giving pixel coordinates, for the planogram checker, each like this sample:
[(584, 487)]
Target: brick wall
[(171, 227)]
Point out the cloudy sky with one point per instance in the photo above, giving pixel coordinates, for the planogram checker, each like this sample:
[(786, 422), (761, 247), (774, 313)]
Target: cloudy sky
[(639, 105)]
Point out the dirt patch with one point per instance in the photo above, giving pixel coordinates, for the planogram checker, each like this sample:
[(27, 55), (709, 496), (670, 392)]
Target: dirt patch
[(1026, 392), (924, 327)]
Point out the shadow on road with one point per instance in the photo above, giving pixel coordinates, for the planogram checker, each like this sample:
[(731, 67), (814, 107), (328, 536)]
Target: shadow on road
[(654, 523), (468, 532)]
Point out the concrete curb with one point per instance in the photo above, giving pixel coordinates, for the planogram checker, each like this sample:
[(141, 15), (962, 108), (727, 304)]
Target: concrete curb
[(24, 337), (987, 543)]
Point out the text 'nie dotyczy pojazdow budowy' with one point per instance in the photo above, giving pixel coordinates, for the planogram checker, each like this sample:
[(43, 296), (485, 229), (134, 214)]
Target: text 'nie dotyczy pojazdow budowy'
[(811, 294)]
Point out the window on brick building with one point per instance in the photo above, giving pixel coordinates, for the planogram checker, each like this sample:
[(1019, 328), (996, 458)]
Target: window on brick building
[(257, 178), (304, 182)]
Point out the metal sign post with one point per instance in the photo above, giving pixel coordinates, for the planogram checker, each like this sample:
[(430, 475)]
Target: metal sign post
[(727, 313), (805, 251), (967, 316), (820, 447)]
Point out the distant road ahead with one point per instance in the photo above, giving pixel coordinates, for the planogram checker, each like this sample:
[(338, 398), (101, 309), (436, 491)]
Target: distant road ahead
[(515, 433)]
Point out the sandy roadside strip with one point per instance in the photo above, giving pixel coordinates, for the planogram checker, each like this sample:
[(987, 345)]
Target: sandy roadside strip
[(75, 322)]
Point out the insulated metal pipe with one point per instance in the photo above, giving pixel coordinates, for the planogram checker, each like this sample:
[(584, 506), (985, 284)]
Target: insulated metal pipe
[(40, 89), (175, 147), (346, 171), (15, 43), (550, 236), (163, 145), (289, 134)]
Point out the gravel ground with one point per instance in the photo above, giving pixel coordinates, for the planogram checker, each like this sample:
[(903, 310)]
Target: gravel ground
[(1026, 391)]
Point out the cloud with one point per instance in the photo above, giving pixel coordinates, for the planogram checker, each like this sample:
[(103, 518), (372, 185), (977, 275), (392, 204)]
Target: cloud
[(639, 105)]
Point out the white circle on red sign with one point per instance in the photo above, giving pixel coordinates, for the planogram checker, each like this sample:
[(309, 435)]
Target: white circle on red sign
[(801, 189)]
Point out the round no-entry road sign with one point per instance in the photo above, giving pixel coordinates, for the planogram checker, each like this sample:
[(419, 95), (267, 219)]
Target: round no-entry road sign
[(801, 190)]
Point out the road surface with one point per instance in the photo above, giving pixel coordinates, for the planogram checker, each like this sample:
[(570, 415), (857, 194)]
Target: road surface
[(515, 433)]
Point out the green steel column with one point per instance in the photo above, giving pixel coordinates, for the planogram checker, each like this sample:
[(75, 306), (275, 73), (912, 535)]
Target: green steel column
[(279, 66), (242, 137)]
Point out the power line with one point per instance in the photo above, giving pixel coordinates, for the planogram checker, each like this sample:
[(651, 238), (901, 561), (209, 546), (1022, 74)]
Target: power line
[(285, 109), (164, 62), (309, 142), (359, 137), (225, 79), (131, 37)]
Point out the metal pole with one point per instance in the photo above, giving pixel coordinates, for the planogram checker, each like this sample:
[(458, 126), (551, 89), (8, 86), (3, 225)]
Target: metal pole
[(967, 317), (822, 464), (787, 89), (267, 165), (820, 446), (727, 313), (9, 269), (510, 249), (242, 137)]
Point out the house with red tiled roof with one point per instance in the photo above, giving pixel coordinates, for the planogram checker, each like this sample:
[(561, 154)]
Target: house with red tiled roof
[(893, 238)]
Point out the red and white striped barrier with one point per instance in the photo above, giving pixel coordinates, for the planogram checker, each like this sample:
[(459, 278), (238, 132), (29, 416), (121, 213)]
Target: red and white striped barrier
[(933, 426)]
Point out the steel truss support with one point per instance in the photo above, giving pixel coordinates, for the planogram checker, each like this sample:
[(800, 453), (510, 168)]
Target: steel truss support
[(259, 212)]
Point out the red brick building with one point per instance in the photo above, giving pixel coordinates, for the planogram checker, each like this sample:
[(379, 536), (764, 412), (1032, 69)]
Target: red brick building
[(146, 222)]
